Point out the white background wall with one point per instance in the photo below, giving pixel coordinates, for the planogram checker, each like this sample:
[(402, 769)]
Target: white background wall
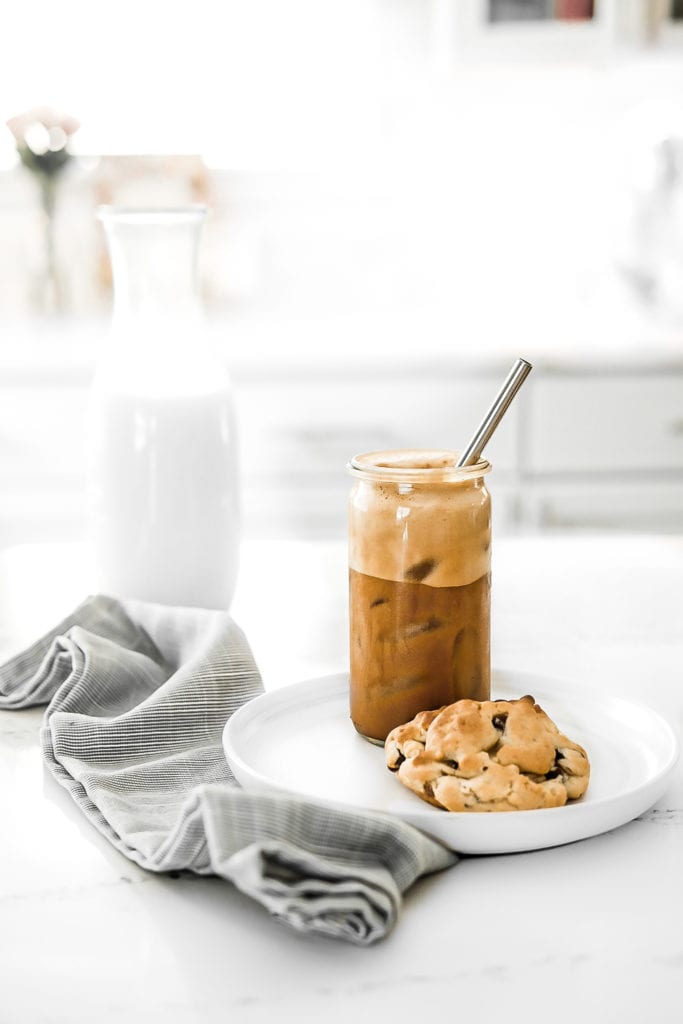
[(367, 155), (391, 185)]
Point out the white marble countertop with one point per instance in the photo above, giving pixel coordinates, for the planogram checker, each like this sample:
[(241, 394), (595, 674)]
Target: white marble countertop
[(588, 932)]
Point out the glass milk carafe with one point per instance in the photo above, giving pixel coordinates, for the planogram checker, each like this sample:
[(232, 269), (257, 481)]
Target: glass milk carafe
[(163, 486)]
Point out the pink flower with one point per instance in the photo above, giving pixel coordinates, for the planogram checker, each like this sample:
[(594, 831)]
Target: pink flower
[(42, 129)]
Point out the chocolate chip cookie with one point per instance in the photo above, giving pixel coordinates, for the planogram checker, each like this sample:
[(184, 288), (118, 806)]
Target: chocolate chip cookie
[(492, 755)]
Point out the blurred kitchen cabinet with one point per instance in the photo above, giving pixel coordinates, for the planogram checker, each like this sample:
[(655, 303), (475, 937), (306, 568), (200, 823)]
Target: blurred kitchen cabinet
[(42, 458), (605, 423), (626, 504), (603, 449), (584, 446)]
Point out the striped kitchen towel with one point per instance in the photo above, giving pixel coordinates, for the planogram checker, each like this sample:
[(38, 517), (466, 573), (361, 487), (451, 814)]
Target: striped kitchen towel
[(137, 697)]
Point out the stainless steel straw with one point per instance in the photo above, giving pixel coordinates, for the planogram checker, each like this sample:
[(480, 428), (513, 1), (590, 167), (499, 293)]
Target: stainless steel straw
[(501, 402)]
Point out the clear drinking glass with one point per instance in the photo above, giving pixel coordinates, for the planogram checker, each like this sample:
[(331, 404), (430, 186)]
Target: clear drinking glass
[(163, 477), (419, 586)]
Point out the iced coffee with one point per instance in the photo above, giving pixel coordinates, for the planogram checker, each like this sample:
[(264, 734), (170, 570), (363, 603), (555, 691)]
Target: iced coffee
[(419, 585)]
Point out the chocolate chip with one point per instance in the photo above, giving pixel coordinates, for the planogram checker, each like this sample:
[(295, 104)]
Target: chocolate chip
[(554, 773), (399, 761), (452, 764), (420, 570), (499, 721)]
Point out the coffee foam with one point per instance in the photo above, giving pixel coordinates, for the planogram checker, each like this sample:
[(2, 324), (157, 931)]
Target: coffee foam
[(410, 459), (395, 527)]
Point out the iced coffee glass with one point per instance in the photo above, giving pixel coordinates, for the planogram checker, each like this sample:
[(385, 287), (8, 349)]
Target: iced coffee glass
[(419, 585)]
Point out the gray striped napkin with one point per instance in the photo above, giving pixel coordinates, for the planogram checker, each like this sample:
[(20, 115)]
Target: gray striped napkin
[(137, 697)]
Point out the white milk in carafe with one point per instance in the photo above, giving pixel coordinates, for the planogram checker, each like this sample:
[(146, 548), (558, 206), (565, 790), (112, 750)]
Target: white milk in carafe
[(165, 515), (163, 475)]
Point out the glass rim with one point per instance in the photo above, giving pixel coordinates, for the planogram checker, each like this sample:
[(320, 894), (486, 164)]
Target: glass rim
[(152, 214), (373, 466)]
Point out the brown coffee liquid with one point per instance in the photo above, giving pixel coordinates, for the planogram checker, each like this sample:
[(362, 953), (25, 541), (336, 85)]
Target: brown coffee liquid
[(414, 648)]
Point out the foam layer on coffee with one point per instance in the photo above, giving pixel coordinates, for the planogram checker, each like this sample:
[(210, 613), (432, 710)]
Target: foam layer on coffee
[(437, 533)]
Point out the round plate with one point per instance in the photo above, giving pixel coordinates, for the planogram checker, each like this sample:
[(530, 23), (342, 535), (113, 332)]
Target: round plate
[(300, 740)]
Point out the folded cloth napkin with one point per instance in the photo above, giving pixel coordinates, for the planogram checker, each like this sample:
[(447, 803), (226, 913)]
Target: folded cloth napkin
[(137, 697)]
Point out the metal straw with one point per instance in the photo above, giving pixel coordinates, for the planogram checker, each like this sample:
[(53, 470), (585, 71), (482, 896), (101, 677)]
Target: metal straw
[(501, 402)]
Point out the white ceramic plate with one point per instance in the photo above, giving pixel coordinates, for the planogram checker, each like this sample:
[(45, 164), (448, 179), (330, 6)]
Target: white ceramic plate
[(300, 740)]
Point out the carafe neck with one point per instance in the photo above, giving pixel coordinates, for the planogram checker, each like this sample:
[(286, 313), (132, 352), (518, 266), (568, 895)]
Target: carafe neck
[(154, 256)]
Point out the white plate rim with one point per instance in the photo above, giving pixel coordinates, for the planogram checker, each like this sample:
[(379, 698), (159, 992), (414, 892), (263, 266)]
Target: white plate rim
[(544, 688)]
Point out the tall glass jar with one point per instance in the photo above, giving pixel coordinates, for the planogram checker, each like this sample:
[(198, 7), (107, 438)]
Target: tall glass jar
[(420, 561), (163, 479)]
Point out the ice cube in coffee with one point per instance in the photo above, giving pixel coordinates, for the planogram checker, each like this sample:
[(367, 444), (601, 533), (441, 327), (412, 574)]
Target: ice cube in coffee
[(419, 586)]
